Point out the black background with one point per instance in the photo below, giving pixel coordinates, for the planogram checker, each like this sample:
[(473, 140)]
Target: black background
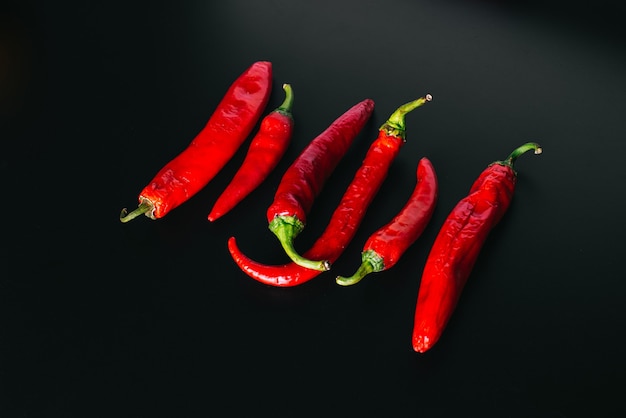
[(153, 318)]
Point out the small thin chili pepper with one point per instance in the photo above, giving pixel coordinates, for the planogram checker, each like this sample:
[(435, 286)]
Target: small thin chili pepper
[(384, 248), (227, 128), (349, 213), (266, 149), (458, 244), (305, 178)]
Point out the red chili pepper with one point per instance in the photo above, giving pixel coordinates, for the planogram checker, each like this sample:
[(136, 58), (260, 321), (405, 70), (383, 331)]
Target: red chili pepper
[(304, 179), (458, 245), (266, 149), (347, 216), (385, 247), (229, 125)]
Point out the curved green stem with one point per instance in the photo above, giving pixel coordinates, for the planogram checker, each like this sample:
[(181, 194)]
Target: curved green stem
[(286, 228), (144, 208), (395, 125), (510, 160), (287, 104), (371, 262), (522, 149)]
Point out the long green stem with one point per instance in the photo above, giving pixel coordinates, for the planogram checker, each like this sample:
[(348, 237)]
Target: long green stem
[(286, 228), (395, 125), (522, 149), (510, 160), (287, 104), (371, 262), (144, 208)]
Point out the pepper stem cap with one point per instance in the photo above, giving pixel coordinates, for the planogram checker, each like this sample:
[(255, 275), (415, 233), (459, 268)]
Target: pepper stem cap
[(286, 228), (395, 125), (371, 262), (528, 146), (287, 104), (145, 208)]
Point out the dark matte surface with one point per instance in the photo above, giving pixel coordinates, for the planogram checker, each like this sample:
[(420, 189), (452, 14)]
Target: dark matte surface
[(152, 318)]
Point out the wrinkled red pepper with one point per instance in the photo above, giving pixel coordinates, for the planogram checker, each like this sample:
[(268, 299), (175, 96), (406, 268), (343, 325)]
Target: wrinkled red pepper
[(458, 244), (228, 127), (305, 178), (266, 149)]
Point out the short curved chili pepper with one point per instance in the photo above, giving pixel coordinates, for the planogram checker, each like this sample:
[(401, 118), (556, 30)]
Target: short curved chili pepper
[(227, 128), (347, 216), (306, 176), (384, 248), (458, 244), (266, 149)]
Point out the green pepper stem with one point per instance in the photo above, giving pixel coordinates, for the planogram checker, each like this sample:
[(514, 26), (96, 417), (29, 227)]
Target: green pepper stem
[(287, 104), (371, 262), (395, 125), (510, 160), (144, 208), (286, 228)]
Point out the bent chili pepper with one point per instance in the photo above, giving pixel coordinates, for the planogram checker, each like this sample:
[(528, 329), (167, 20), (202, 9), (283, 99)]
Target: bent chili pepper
[(347, 216), (266, 149), (385, 247), (458, 244), (227, 128), (306, 176)]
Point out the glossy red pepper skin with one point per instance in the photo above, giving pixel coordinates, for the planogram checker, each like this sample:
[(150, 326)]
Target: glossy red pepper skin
[(306, 176), (266, 149), (227, 128), (348, 215), (457, 246), (384, 248)]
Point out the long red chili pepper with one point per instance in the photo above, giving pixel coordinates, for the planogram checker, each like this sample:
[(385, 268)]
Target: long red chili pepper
[(266, 149), (305, 178), (385, 247), (458, 245), (347, 216), (229, 125)]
